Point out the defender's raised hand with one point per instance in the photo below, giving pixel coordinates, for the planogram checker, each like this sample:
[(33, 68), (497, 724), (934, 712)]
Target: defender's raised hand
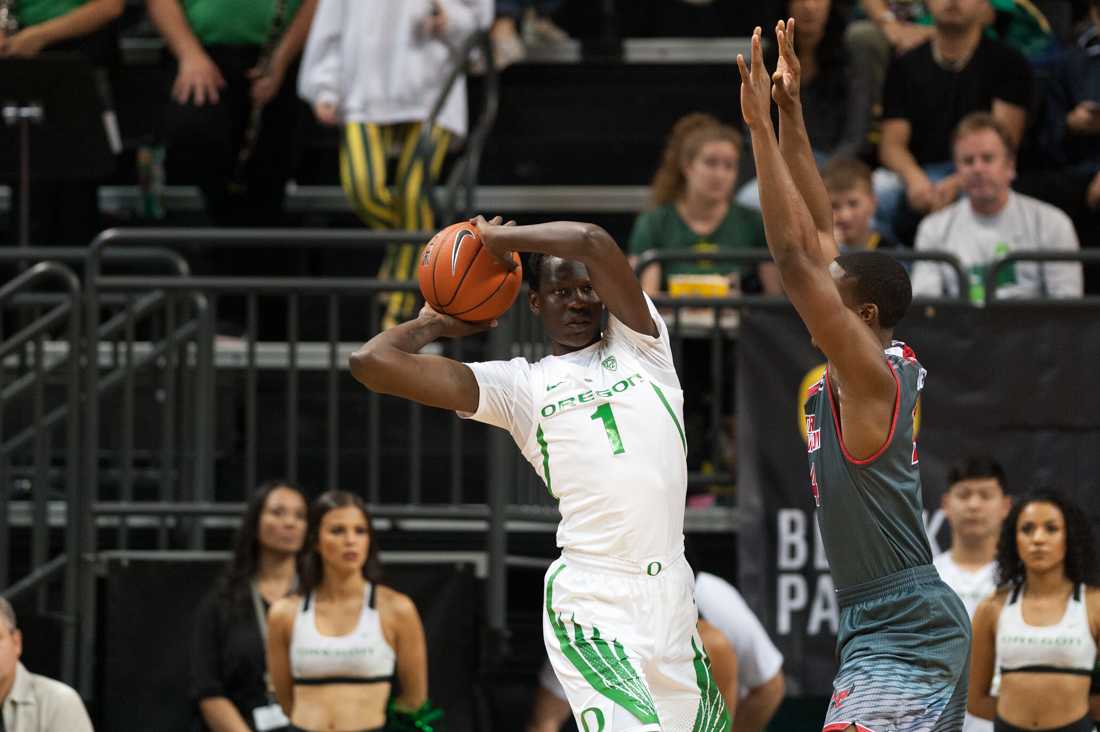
[(787, 79), (756, 100)]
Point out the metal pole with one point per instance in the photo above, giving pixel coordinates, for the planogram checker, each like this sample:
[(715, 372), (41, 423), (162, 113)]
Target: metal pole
[(497, 540), (73, 494), (24, 182), (333, 448)]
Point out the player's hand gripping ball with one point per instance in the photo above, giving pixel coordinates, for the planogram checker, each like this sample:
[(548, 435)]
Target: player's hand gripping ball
[(460, 277)]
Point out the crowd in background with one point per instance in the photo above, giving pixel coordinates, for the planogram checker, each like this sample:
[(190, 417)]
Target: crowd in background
[(886, 84)]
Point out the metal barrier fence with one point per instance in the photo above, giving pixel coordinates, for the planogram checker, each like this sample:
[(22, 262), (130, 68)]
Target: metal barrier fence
[(160, 464), (27, 346)]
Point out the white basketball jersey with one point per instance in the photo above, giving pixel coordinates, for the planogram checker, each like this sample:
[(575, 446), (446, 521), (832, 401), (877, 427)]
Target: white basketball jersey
[(603, 427)]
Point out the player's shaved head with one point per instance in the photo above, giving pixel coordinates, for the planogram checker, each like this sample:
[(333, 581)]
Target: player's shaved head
[(880, 280)]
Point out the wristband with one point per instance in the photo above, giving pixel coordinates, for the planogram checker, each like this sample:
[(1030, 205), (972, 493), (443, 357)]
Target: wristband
[(425, 719)]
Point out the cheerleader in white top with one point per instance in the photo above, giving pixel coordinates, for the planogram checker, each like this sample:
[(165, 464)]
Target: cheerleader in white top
[(601, 422), (334, 650), (1041, 628)]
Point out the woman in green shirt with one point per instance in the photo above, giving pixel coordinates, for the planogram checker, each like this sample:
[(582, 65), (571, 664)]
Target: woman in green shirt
[(43, 24), (694, 207)]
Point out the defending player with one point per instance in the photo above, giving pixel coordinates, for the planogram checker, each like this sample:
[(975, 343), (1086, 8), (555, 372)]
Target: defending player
[(601, 421), (904, 637)]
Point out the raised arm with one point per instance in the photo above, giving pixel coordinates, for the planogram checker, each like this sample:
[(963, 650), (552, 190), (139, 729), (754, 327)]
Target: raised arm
[(592, 246), (390, 363), (851, 346), (794, 140)]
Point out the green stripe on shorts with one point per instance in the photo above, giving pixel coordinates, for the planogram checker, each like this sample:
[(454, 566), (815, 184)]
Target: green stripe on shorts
[(603, 665), (711, 715)]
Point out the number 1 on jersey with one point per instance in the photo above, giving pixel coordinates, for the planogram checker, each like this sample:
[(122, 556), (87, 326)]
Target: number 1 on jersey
[(603, 412)]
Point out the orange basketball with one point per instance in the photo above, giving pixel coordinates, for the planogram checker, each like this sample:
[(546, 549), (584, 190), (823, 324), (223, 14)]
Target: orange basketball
[(461, 278)]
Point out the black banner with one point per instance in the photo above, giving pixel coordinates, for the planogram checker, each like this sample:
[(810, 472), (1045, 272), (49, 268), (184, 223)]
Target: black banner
[(1013, 382)]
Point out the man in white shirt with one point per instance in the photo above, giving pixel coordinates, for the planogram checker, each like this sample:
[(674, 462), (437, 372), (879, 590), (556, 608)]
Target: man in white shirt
[(975, 505), (992, 221), (601, 422), (29, 702)]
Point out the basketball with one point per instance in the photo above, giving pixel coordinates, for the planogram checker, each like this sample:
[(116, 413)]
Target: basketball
[(461, 278)]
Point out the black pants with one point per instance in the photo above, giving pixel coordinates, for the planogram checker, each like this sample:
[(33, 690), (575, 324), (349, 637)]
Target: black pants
[(66, 212), (204, 143), (1085, 724)]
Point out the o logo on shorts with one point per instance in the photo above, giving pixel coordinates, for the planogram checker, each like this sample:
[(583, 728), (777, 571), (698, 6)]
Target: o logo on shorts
[(594, 714), (653, 569)]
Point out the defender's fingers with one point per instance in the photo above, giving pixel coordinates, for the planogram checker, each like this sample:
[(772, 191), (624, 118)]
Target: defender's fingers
[(742, 69), (757, 51)]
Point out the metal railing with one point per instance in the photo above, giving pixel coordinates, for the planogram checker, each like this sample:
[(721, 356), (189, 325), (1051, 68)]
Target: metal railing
[(28, 346), (1002, 264), (157, 332)]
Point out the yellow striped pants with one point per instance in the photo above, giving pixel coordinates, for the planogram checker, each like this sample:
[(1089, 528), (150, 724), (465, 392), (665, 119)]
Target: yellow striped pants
[(363, 154)]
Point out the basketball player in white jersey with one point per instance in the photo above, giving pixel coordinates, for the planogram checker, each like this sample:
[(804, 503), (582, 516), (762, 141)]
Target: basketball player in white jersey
[(601, 421), (975, 505)]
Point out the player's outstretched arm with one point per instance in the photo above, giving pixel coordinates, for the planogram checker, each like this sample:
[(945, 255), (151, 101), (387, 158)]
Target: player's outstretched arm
[(390, 363), (794, 140), (793, 240), (589, 244)]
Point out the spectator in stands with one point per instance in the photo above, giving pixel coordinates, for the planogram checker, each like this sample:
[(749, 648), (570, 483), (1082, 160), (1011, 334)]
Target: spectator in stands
[(533, 16), (928, 91), (84, 27), (376, 68), (746, 664), (836, 91), (1041, 628), (334, 648), (232, 120), (889, 28), (694, 210), (993, 221), (45, 26), (229, 679), (975, 505), (1083, 118), (851, 192), (885, 30), (29, 702), (693, 204)]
